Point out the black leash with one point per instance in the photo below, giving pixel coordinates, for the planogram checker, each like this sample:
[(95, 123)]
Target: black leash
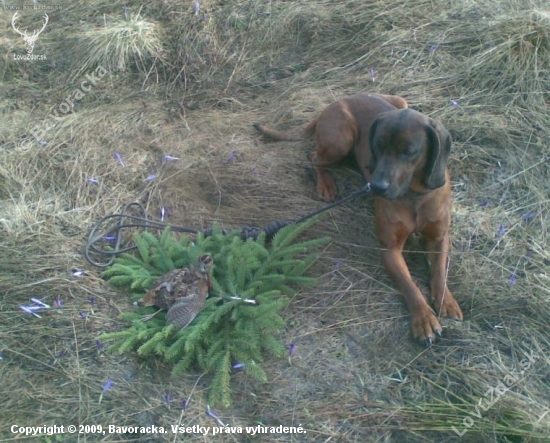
[(112, 236)]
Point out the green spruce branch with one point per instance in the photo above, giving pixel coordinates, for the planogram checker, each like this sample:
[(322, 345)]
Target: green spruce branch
[(227, 330)]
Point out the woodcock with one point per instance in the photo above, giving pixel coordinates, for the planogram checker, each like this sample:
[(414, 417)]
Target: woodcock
[(181, 291)]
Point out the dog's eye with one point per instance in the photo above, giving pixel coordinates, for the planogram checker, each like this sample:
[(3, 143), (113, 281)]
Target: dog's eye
[(408, 153)]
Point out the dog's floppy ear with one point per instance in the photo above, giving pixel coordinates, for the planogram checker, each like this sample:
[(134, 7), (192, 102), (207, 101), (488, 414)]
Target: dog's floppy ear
[(439, 148), (372, 133)]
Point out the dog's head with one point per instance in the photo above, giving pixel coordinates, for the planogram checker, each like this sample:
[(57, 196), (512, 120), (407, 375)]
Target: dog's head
[(409, 152)]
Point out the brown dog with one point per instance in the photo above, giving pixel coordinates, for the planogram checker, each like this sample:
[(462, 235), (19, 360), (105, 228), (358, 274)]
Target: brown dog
[(403, 154)]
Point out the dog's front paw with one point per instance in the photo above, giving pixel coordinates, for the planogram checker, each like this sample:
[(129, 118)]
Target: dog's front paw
[(327, 189), (448, 307), (425, 326)]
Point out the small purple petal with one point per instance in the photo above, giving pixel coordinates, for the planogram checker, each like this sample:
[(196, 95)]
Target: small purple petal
[(93, 181), (454, 103), (92, 301), (372, 73), (167, 398), (484, 204), (170, 158), (42, 142), (501, 231), (99, 344), (238, 366), (163, 213), (185, 404), (118, 158), (232, 156), (150, 178), (83, 315), (291, 348), (78, 272), (30, 310), (528, 216), (433, 48), (196, 7), (40, 303), (107, 386), (57, 302), (61, 353), (513, 279), (214, 415), (110, 239)]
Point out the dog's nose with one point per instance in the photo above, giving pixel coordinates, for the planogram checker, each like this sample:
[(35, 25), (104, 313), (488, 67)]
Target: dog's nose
[(380, 186)]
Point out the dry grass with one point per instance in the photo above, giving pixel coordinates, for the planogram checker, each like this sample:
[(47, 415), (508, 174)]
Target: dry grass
[(191, 86)]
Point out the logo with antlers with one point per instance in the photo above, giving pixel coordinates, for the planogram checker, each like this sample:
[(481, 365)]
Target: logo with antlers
[(30, 40)]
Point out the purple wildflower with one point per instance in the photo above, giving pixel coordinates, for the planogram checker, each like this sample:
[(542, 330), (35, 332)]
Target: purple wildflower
[(57, 302), (433, 48), (185, 404), (232, 156), (528, 216), (484, 203), (78, 272), (118, 158), (61, 353), (163, 213), (93, 181), (107, 386), (40, 303), (513, 279), (214, 416), (372, 73), (238, 366), (338, 264), (99, 344), (167, 398), (150, 178), (30, 310), (42, 142), (454, 103), (291, 348), (169, 158), (110, 239), (92, 300), (83, 315), (196, 7), (501, 231)]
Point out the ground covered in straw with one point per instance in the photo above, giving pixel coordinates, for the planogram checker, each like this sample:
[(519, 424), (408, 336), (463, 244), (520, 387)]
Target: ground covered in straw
[(171, 79)]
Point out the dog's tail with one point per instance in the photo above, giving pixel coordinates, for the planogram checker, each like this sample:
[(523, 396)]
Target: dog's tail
[(300, 134)]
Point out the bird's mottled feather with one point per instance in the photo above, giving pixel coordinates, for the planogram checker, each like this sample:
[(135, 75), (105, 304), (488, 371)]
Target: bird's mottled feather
[(181, 291)]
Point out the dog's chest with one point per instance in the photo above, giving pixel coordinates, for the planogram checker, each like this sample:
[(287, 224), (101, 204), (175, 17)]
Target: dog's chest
[(427, 213)]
